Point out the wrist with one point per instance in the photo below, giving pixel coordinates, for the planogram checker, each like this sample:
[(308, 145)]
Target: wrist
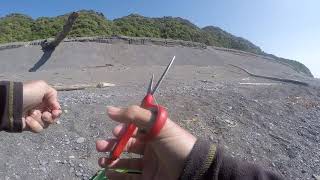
[(175, 144)]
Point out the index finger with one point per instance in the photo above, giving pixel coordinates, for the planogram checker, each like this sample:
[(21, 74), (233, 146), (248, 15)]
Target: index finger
[(134, 114)]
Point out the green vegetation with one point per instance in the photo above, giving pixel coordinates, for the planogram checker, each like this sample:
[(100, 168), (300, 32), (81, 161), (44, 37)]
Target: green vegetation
[(19, 27)]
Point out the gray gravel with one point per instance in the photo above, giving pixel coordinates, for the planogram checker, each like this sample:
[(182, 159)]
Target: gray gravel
[(273, 124)]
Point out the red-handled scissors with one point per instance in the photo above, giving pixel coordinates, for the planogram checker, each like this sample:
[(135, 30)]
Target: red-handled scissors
[(147, 103)]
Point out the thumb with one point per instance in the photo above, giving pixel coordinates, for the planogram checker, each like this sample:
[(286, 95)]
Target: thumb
[(141, 117)]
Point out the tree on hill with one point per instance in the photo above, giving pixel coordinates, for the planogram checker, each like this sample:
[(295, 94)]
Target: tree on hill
[(19, 27)]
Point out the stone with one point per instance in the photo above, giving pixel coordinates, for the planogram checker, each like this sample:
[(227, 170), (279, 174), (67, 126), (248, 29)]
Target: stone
[(316, 177), (104, 84), (81, 140), (211, 138), (42, 168), (78, 174), (43, 163), (71, 170)]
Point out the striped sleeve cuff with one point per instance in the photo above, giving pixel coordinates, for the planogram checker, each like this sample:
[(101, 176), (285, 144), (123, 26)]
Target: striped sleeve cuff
[(199, 161), (11, 101)]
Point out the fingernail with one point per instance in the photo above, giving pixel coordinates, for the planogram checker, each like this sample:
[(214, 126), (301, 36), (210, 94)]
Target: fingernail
[(34, 113), (113, 110)]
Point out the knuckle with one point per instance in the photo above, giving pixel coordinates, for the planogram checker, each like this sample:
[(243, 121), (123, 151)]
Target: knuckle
[(41, 82), (54, 91), (132, 111)]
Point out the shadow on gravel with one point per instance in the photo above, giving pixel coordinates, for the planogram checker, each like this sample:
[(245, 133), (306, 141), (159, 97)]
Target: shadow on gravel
[(44, 58)]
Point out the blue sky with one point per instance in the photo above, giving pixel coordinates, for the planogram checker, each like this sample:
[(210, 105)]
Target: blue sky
[(287, 28)]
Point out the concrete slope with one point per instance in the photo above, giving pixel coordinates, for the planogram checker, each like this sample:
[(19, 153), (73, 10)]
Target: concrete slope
[(71, 57)]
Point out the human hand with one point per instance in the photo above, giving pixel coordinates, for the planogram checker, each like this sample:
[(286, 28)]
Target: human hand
[(40, 106), (163, 157)]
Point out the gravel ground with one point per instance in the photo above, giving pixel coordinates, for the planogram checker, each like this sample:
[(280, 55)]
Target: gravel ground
[(270, 123)]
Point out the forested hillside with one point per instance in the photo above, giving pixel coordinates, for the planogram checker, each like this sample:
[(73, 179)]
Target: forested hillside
[(19, 27)]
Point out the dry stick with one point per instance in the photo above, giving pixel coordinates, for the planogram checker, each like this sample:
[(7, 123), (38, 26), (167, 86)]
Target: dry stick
[(272, 78), (81, 86), (72, 87)]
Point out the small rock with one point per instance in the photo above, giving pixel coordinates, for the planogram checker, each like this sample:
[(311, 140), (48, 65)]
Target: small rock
[(211, 138), (57, 161), (58, 122), (316, 177), (78, 174), (80, 140), (71, 157), (104, 84), (80, 165), (65, 111), (43, 169), (43, 163), (71, 170), (303, 171), (81, 170)]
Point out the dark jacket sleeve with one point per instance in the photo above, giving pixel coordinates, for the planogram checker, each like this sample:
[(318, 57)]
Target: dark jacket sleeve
[(11, 102), (208, 162)]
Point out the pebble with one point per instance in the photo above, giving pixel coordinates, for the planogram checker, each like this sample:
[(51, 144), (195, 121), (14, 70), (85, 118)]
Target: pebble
[(71, 164), (65, 111), (71, 170), (211, 138), (78, 174), (81, 140), (104, 84), (43, 163), (43, 169), (71, 157), (80, 165), (316, 177)]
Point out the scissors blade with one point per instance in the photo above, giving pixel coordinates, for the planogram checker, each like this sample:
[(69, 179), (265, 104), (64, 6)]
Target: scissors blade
[(163, 75), (150, 85)]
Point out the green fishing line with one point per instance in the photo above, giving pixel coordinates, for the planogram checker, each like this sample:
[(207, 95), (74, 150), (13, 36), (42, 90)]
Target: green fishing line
[(100, 175)]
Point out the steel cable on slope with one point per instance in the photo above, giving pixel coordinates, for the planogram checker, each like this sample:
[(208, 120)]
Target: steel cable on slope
[(271, 78)]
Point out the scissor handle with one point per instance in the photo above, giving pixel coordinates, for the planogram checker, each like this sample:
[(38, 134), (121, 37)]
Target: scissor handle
[(118, 149), (161, 116)]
